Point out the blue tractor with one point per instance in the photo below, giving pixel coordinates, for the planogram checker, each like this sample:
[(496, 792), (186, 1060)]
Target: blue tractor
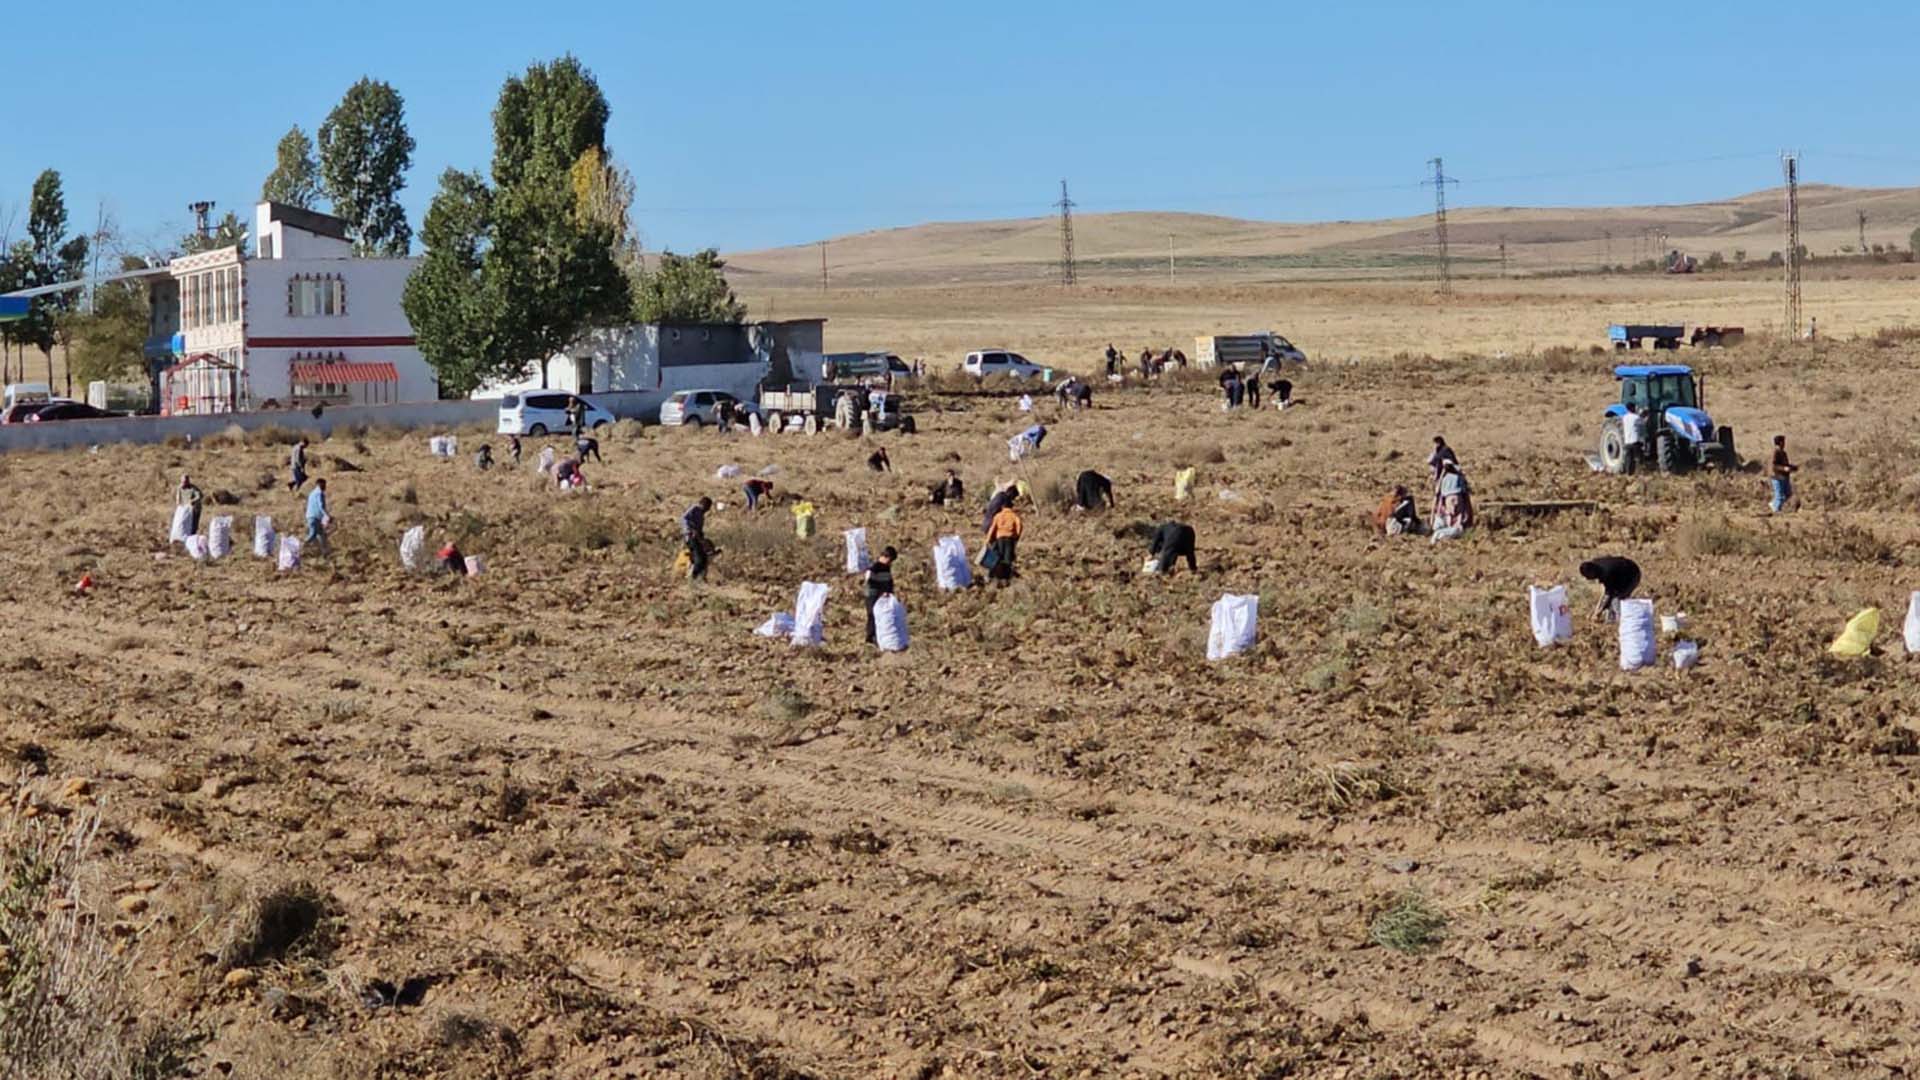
[(1678, 434)]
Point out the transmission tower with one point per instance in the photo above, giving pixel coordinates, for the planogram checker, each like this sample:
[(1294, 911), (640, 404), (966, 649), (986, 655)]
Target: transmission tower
[(1065, 206), (1440, 181), (1863, 232), (1790, 165), (201, 211)]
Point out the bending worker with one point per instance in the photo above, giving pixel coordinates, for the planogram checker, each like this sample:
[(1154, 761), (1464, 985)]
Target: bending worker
[(1090, 490), (1173, 540)]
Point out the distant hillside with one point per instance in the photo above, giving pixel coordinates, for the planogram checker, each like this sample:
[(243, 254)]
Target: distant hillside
[(1135, 245)]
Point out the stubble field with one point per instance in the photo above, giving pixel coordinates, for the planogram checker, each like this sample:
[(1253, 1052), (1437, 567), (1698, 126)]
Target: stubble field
[(572, 819)]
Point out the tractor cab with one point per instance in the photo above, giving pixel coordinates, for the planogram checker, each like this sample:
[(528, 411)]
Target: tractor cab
[(1678, 433)]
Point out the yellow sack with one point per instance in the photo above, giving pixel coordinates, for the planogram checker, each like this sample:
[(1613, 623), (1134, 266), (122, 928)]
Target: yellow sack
[(803, 520), (1023, 490), (1183, 482), (683, 563), (1858, 637)]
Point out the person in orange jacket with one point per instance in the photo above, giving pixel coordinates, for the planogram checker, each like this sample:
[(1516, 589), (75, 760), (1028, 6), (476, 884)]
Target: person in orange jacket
[(1003, 537)]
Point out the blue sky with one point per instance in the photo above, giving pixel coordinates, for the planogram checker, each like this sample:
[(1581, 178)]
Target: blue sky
[(752, 124)]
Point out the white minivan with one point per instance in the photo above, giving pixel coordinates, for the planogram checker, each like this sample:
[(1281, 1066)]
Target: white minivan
[(538, 412), (1001, 362)]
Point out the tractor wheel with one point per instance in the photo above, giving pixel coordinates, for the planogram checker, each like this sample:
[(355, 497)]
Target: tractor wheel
[(1666, 452), (1613, 448), (1729, 459), (776, 422)]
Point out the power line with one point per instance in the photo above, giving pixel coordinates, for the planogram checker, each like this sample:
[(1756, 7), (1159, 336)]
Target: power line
[(1065, 205), (1440, 181)]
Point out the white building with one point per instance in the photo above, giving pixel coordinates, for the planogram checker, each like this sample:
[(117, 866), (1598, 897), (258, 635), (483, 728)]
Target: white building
[(630, 370), (297, 322)]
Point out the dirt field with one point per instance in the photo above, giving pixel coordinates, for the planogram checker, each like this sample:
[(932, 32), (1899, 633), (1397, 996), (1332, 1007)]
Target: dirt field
[(1340, 321), (579, 822)]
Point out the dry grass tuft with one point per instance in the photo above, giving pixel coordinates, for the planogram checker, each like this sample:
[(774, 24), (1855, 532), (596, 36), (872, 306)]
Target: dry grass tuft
[(276, 921), (785, 705), (1409, 924), (1338, 788)]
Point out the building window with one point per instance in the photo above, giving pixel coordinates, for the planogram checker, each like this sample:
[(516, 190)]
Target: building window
[(316, 294), (233, 294)]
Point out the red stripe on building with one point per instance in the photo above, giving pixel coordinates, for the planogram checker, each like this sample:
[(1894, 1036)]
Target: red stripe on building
[(329, 342)]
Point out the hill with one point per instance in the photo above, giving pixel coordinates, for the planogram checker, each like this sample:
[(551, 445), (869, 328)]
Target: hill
[(1118, 246)]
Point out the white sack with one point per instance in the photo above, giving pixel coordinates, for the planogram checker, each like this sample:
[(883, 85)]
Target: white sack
[(263, 536), (546, 460), (1017, 448), (753, 422), (452, 444), (1636, 635), (890, 624), (1235, 618), (413, 549), (809, 611), (951, 568), (437, 446), (779, 624), (289, 553), (196, 547), (1673, 624), (1552, 619), (1913, 623), (1026, 402), (179, 533), (476, 565), (1686, 654), (726, 472), (220, 537), (858, 557)]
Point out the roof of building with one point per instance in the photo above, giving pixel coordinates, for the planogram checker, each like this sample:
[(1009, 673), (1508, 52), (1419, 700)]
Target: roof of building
[(307, 220), (343, 371)]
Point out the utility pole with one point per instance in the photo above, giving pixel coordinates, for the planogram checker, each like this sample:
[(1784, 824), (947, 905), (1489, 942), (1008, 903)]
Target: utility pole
[(1440, 181), (1790, 166), (823, 266), (1065, 206), (1169, 258), (1607, 263), (1863, 232), (1503, 255)]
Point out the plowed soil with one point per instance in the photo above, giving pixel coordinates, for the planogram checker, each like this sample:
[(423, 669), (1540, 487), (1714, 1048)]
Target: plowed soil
[(603, 830)]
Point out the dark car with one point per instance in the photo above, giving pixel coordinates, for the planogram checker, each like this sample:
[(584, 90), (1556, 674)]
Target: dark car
[(21, 413), (71, 410)]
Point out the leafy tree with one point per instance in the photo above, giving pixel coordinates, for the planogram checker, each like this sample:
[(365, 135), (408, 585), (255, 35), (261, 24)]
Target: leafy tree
[(545, 120), (689, 288), (517, 272), (111, 339), (1715, 261), (295, 179), (16, 272), (550, 277), (227, 232), (1740, 256), (365, 152), (446, 299), (56, 257)]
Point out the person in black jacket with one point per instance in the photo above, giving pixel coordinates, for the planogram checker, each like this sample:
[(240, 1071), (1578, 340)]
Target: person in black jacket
[(879, 584), (1618, 577), (1090, 490), (1171, 541)]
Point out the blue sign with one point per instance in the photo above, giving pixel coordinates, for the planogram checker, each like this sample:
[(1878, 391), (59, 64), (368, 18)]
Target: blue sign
[(13, 307), (179, 344)]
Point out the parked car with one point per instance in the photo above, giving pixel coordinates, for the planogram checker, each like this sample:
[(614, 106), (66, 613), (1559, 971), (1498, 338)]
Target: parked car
[(698, 407), (538, 412), (71, 410), (21, 413), (1001, 362)]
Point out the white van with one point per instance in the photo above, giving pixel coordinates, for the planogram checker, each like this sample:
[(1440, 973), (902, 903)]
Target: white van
[(537, 412), (1001, 362)]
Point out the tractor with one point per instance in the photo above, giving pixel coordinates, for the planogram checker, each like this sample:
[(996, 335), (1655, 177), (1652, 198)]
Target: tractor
[(1678, 435)]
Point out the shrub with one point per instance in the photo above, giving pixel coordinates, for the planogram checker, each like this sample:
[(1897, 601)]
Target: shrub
[(587, 530), (1409, 924), (274, 921), (629, 430), (64, 1008)]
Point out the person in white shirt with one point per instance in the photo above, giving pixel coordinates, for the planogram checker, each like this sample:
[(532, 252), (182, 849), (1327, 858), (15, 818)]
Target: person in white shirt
[(1633, 432)]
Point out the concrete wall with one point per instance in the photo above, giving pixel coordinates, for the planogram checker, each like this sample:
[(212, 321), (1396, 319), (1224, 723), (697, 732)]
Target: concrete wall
[(427, 415)]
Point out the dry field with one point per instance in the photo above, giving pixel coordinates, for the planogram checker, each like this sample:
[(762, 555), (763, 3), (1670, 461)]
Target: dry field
[(1334, 320), (570, 819)]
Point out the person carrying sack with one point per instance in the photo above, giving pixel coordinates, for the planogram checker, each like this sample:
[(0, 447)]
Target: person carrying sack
[(879, 584), (1003, 539)]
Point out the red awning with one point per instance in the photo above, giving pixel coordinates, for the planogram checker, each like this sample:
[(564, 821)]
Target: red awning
[(342, 371)]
